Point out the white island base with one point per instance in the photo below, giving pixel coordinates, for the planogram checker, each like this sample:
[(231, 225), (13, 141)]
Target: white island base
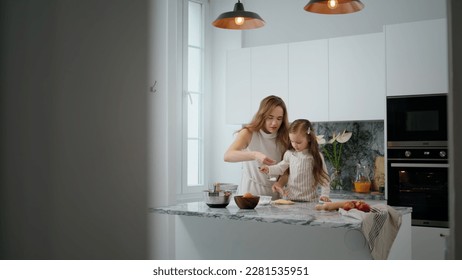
[(215, 234)]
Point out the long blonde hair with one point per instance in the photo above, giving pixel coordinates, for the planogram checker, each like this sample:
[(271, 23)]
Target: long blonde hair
[(258, 121), (304, 127)]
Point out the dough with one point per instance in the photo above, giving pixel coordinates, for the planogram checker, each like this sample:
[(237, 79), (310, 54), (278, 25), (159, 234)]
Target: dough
[(283, 201)]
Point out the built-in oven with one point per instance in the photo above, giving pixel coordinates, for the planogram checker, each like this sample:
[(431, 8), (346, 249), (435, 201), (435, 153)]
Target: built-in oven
[(417, 157), (417, 121), (418, 178)]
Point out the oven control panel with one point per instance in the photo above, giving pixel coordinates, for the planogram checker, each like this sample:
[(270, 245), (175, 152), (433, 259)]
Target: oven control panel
[(418, 153)]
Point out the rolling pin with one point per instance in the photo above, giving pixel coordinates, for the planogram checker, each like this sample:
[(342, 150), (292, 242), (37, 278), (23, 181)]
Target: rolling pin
[(330, 206)]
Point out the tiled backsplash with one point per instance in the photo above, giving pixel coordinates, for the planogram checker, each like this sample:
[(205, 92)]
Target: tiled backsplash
[(366, 147)]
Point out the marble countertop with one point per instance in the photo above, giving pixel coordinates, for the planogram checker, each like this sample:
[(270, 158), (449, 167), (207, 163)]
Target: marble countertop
[(302, 213)]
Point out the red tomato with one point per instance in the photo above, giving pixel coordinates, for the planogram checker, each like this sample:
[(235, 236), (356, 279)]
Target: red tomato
[(348, 205), (364, 207)]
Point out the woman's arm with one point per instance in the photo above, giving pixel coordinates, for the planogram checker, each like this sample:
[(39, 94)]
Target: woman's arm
[(236, 153)]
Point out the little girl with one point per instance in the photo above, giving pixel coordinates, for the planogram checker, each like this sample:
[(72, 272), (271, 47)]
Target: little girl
[(307, 167)]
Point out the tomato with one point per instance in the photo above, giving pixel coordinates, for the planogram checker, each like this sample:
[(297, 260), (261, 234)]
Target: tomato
[(363, 206), (348, 205)]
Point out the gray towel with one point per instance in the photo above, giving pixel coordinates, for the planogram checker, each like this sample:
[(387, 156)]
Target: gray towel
[(380, 227)]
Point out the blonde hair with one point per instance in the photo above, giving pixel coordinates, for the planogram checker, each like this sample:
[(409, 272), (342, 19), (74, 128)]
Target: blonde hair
[(258, 121), (304, 127)]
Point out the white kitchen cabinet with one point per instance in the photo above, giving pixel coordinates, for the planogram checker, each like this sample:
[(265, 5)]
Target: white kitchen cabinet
[(357, 77), (252, 74), (337, 79), (238, 87), (308, 81), (429, 243), (269, 71), (417, 57)]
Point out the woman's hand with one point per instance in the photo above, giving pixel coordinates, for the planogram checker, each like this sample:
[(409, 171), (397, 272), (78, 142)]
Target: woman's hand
[(325, 199), (263, 159)]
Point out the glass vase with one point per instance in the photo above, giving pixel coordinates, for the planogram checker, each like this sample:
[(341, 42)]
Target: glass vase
[(336, 182)]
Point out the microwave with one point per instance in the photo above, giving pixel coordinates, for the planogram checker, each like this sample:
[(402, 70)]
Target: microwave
[(417, 120)]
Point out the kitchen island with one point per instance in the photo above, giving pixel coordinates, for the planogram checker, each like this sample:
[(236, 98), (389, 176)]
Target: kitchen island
[(275, 232)]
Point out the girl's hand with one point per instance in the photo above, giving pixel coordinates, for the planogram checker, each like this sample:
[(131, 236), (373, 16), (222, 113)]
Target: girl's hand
[(264, 169), (277, 188), (283, 192), (325, 199), (263, 159)]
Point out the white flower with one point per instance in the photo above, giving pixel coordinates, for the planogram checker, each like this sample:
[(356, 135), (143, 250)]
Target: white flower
[(334, 155), (320, 139), (344, 137)]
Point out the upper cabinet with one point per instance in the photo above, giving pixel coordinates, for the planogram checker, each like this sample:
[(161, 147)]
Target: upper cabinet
[(308, 81), (417, 58), (357, 77), (320, 80), (252, 74), (238, 87), (269, 73), (340, 79)]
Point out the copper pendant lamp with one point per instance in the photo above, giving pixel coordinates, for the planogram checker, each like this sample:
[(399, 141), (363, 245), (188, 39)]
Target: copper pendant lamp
[(332, 7), (239, 19)]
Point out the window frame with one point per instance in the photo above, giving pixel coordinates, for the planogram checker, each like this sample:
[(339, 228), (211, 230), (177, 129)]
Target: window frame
[(193, 191)]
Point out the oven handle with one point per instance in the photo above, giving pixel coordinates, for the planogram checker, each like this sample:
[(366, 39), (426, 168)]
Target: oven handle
[(430, 165)]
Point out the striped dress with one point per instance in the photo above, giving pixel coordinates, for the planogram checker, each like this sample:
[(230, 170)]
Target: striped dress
[(300, 185)]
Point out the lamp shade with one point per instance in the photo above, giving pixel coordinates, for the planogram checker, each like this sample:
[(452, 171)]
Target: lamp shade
[(332, 7), (239, 19)]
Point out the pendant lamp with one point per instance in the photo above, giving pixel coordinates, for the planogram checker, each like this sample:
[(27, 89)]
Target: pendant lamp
[(239, 19), (331, 7)]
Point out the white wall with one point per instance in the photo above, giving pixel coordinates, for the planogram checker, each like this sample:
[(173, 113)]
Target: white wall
[(222, 134), (73, 178), (164, 158)]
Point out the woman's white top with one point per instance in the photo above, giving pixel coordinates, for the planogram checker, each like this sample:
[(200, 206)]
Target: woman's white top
[(301, 183), (253, 180)]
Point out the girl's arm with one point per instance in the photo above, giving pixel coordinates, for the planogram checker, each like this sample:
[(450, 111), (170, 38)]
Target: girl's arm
[(281, 167), (282, 181), (236, 151)]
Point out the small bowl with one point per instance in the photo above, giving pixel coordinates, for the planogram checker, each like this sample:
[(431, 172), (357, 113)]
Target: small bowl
[(246, 202), (265, 199)]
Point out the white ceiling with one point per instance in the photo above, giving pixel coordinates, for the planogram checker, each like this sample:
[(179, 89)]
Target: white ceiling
[(286, 21)]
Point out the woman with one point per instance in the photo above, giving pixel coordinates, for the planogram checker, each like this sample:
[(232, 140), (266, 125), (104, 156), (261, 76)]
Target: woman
[(263, 141)]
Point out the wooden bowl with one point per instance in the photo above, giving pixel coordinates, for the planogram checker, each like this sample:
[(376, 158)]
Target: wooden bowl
[(246, 202)]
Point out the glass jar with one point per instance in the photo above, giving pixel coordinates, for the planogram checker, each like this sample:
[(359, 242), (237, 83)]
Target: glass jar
[(362, 179), (336, 182)]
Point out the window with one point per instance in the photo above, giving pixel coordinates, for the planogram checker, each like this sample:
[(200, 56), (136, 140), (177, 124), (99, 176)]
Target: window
[(193, 101)]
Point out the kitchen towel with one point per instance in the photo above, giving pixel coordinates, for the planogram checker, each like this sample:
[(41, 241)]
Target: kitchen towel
[(380, 227)]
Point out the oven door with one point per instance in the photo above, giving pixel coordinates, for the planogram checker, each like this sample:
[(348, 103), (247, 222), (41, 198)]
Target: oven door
[(422, 186), (417, 120)]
